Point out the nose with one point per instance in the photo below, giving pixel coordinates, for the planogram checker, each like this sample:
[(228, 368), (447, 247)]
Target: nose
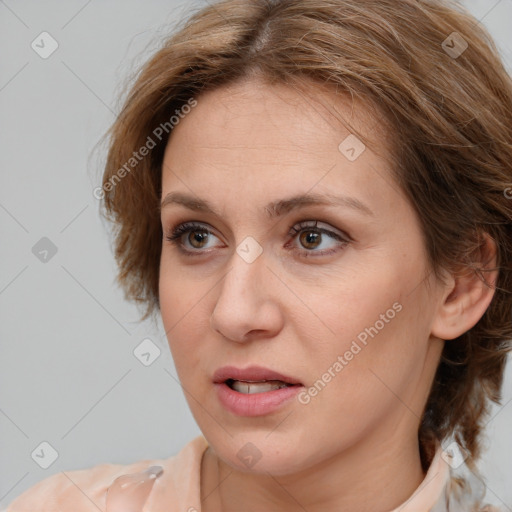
[(247, 306)]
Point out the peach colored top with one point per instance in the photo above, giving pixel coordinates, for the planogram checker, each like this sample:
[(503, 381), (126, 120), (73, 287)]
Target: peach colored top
[(126, 488)]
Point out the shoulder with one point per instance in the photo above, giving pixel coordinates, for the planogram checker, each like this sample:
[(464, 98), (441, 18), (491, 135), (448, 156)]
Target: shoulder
[(85, 490), (81, 490)]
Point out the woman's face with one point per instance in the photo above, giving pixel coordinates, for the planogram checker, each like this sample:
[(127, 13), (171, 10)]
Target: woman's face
[(329, 297)]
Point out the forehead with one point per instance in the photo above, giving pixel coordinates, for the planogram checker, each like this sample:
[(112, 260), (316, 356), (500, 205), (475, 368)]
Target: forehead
[(256, 110), (256, 115), (254, 137)]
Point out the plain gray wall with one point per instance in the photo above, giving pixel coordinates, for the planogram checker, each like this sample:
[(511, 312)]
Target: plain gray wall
[(68, 375)]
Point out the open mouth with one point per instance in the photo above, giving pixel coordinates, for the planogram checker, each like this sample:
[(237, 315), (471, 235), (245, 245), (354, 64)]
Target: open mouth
[(249, 387), (254, 390)]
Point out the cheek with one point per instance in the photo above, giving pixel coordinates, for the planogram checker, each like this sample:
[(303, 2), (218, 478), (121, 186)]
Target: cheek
[(180, 304), (377, 329), (378, 305), (353, 306), (378, 357)]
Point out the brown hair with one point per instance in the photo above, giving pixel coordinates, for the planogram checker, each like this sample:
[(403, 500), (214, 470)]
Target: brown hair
[(450, 116)]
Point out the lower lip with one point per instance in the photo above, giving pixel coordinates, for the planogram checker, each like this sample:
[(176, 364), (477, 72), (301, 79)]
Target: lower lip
[(255, 404)]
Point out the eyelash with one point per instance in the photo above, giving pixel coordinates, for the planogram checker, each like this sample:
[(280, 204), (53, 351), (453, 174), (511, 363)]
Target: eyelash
[(176, 234)]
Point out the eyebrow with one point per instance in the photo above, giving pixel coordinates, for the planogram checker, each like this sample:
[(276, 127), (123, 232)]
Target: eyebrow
[(273, 209)]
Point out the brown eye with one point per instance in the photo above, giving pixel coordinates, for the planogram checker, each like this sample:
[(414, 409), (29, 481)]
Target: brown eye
[(310, 239), (190, 237), (198, 238)]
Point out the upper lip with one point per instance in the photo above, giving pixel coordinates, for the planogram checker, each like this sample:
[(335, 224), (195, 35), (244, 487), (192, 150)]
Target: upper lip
[(251, 373)]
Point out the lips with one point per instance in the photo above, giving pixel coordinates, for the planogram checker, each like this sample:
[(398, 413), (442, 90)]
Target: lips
[(252, 374), (254, 391)]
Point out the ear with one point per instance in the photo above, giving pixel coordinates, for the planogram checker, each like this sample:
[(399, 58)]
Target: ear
[(467, 296)]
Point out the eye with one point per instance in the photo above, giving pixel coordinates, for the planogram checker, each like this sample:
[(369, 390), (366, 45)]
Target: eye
[(310, 236), (197, 241)]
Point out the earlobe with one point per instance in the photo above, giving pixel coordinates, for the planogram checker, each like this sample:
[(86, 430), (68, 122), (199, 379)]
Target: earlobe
[(467, 294)]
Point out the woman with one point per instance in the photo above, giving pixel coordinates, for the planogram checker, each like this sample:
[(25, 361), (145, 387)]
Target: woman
[(315, 195)]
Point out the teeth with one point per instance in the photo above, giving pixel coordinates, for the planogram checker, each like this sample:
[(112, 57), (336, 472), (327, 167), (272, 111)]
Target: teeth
[(250, 388)]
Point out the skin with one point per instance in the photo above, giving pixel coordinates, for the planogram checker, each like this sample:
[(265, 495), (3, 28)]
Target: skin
[(354, 446)]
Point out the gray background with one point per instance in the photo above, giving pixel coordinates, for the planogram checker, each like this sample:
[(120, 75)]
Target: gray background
[(68, 375)]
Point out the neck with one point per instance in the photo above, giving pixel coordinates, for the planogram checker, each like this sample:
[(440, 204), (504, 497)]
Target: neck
[(376, 475)]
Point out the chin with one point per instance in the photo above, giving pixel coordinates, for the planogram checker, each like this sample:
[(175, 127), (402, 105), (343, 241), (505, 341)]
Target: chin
[(258, 452)]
